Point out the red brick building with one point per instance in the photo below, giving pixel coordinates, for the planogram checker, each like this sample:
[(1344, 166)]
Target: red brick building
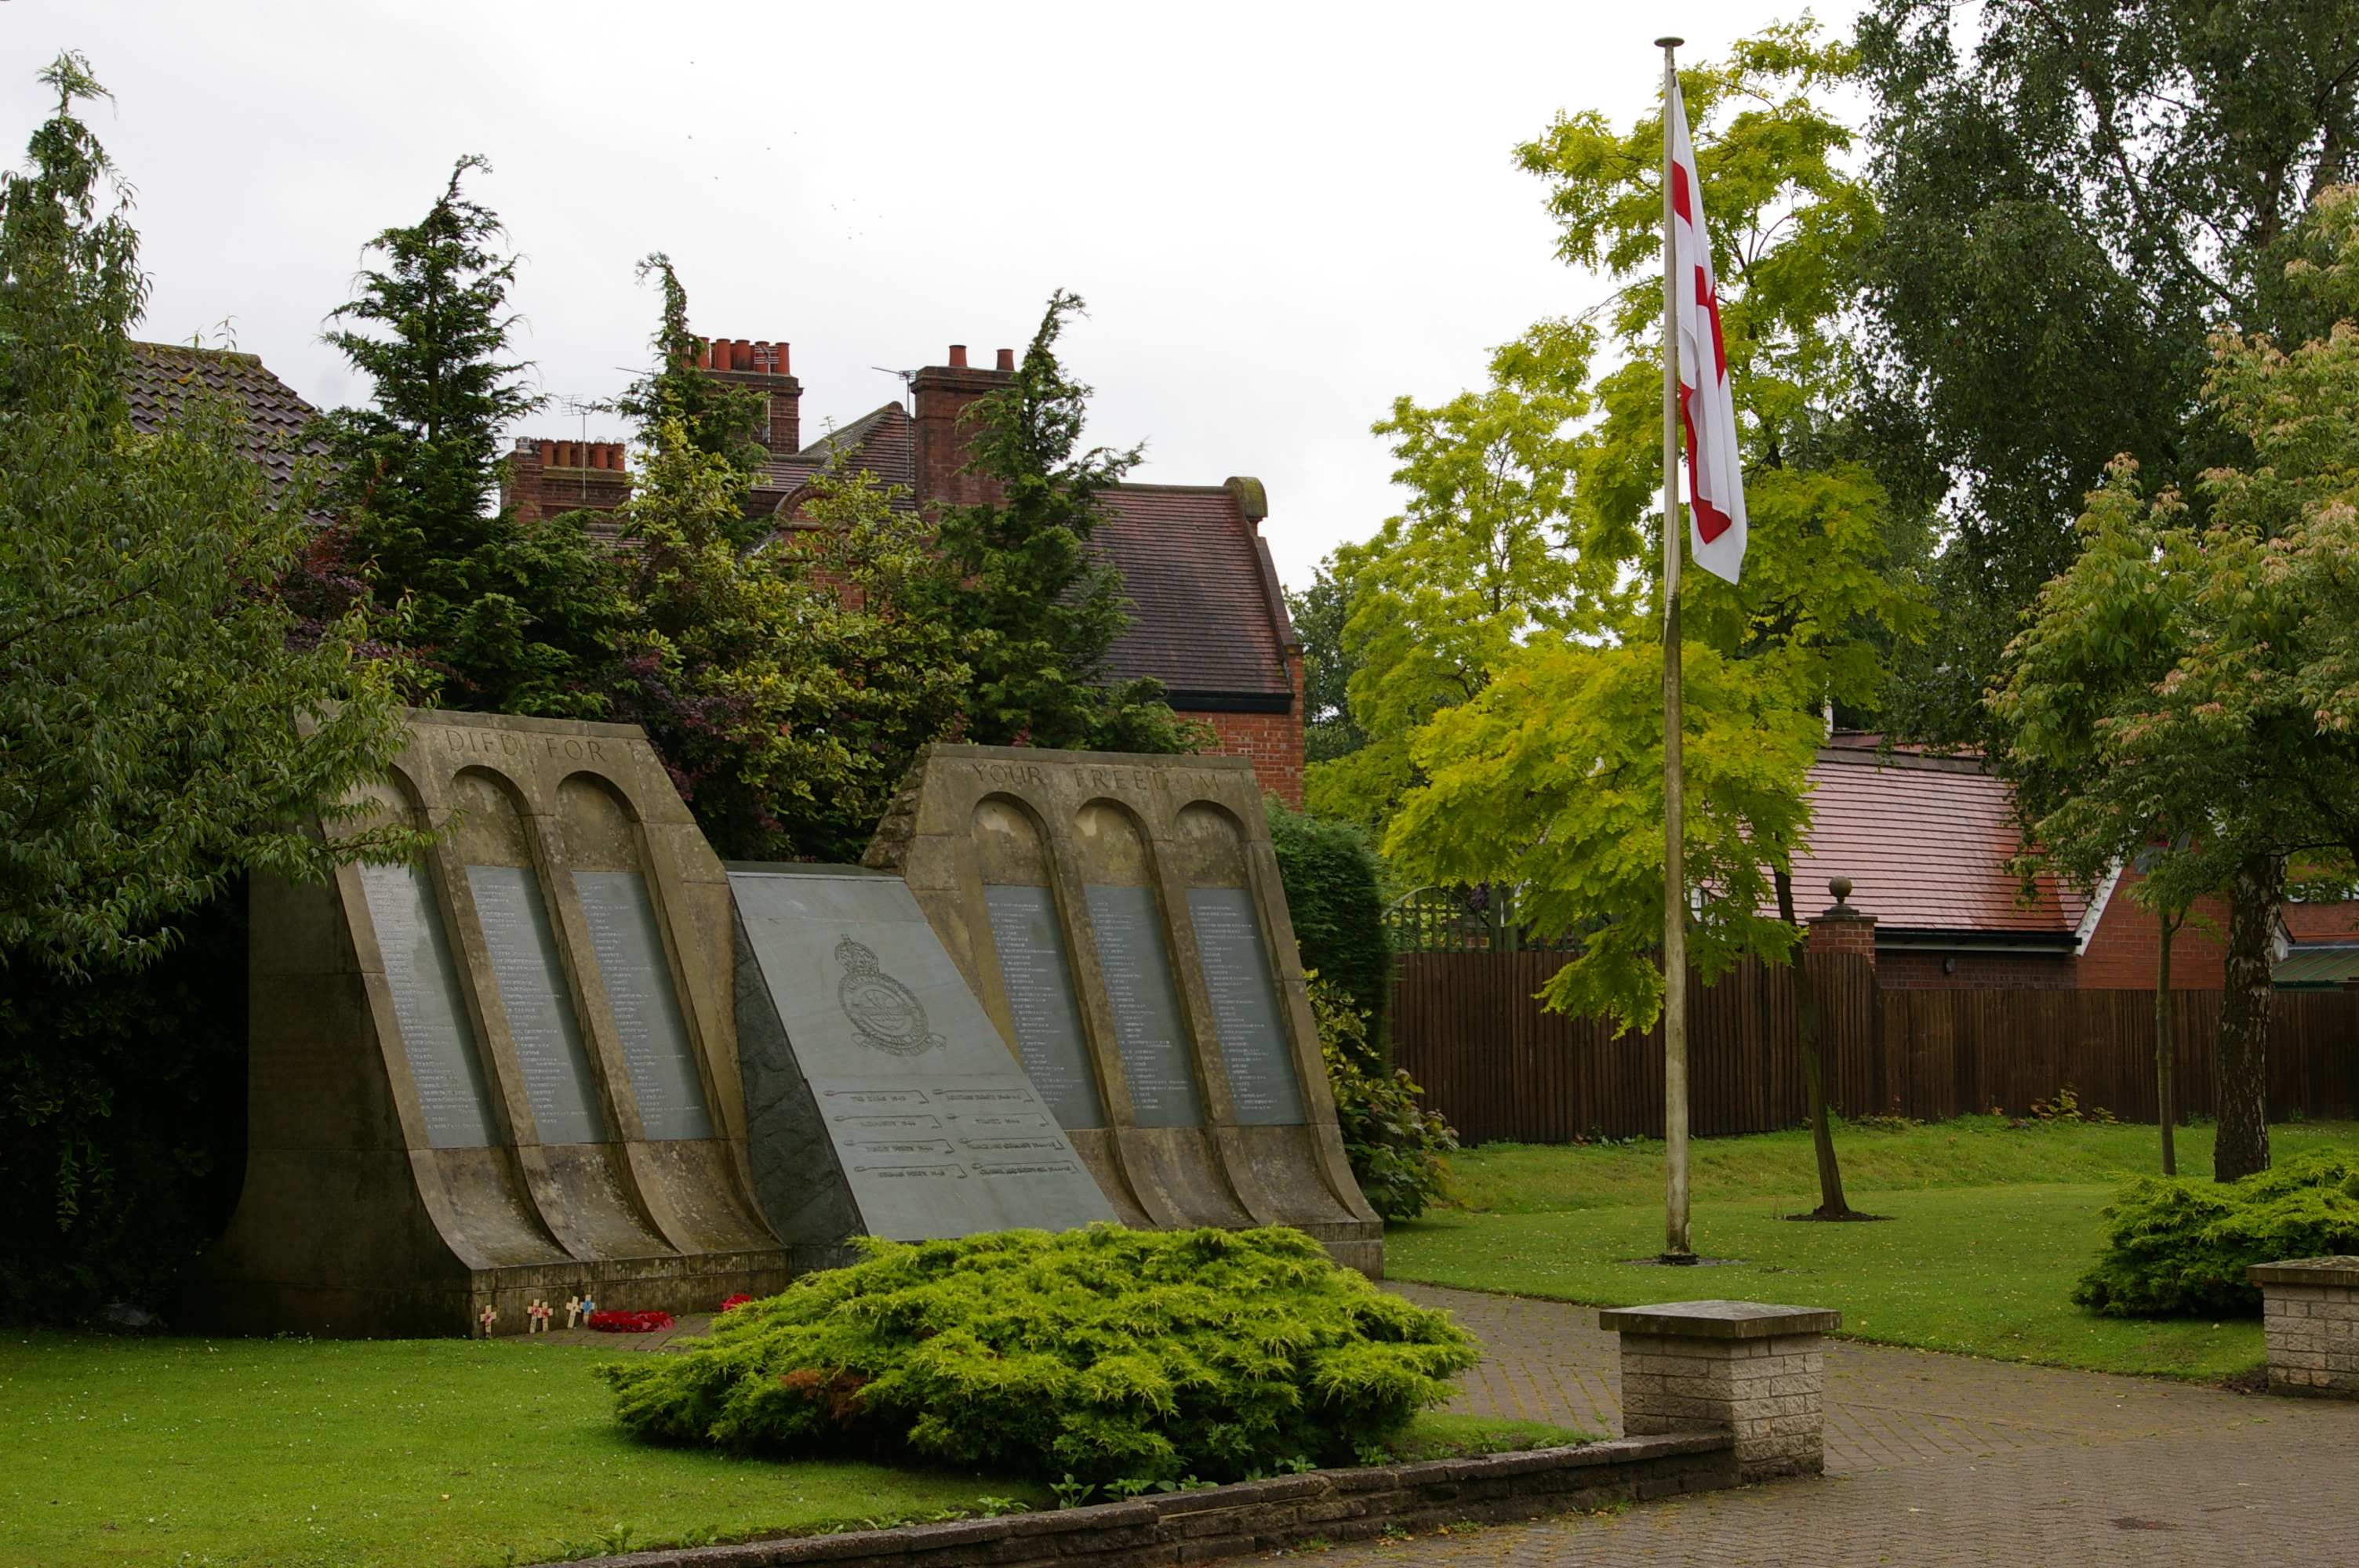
[(1208, 619), (1926, 841)]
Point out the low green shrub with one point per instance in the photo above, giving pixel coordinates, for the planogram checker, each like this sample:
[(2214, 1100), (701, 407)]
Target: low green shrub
[(2179, 1246), (1092, 1356), (1400, 1150)]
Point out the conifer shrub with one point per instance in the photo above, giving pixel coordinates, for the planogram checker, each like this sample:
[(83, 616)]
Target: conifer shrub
[(2179, 1246), (1101, 1354)]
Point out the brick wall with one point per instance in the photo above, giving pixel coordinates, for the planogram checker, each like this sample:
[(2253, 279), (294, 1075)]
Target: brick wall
[(1976, 971), (2124, 948), (1273, 741)]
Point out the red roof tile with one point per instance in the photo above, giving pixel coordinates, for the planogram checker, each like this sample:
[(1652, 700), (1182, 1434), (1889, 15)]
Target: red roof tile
[(1925, 841)]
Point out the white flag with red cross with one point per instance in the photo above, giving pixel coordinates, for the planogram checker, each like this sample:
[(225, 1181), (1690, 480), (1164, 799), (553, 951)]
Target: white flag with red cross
[(1715, 471)]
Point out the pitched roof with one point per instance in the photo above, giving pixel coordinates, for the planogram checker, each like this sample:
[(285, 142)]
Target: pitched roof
[(1207, 618), (879, 441), (1925, 841), (164, 376)]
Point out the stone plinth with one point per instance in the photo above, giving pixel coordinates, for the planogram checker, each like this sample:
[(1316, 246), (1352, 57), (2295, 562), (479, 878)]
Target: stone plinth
[(503, 1075), (1754, 1372), (1121, 922), (2311, 1315)]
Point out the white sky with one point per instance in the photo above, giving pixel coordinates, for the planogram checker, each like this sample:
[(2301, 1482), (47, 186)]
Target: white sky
[(1282, 215)]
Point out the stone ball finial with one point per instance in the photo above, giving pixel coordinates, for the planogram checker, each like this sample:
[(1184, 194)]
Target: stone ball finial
[(1840, 887)]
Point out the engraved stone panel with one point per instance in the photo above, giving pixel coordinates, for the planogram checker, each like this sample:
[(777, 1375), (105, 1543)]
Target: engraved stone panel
[(436, 1038), (537, 1004), (934, 1128), (1145, 1006), (1040, 999), (1262, 1090), (656, 1049)]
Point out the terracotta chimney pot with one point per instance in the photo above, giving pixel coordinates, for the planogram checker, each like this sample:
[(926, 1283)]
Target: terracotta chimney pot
[(958, 356), (1007, 359), (780, 348)]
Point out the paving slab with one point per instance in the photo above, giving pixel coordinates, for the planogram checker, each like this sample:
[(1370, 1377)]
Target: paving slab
[(1934, 1459)]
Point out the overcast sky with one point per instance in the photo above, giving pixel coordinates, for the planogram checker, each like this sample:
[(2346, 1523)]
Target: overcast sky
[(1282, 216)]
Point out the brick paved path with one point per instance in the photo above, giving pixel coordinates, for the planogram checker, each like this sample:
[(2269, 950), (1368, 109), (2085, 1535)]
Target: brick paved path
[(1936, 1459)]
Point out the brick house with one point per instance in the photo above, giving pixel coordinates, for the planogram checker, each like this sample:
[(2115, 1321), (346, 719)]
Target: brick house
[(1925, 841), (1208, 617)]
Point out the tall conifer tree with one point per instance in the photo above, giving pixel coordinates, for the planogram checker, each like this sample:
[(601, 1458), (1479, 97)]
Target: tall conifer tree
[(1036, 608), (516, 617)]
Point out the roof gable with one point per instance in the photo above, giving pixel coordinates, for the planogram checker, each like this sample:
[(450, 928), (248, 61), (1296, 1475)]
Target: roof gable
[(1206, 620)]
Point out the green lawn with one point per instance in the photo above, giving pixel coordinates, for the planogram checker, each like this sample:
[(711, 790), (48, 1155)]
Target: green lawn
[(292, 1453), (295, 1452), (1990, 1226)]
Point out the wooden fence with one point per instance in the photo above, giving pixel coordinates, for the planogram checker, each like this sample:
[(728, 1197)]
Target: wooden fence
[(1467, 1029)]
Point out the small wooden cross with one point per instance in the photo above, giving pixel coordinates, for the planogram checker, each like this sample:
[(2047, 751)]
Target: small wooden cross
[(573, 1307), (487, 1317)]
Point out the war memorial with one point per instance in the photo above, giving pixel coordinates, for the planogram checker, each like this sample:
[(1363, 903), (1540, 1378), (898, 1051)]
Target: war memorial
[(571, 1055)]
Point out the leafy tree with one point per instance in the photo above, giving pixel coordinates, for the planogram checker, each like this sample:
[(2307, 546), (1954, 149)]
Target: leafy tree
[(1547, 775), (1472, 565), (787, 686), (2194, 683), (1035, 608), (2075, 196), (156, 732), (2074, 710), (1320, 613), (512, 617), (720, 416)]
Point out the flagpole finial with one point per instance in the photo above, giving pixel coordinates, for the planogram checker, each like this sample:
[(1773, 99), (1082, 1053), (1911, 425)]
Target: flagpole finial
[(1669, 43)]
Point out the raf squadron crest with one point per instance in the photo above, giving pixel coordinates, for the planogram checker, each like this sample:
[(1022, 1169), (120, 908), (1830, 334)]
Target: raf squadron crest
[(887, 1014)]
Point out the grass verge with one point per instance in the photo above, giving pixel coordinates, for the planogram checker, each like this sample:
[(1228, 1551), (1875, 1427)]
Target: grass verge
[(403, 1454), (1990, 1225)]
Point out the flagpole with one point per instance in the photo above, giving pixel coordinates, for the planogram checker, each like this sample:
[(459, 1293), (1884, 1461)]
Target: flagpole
[(1675, 902)]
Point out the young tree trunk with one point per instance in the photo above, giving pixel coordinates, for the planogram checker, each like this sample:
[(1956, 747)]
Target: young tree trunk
[(1832, 1204), (2166, 1044), (2244, 1143)]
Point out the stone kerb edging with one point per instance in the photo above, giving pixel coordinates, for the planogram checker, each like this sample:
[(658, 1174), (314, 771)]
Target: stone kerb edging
[(1177, 1527), (2310, 1310)]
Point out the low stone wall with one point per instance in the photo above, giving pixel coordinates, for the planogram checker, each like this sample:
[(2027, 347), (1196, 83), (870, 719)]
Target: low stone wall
[(2311, 1318), (1262, 1516)]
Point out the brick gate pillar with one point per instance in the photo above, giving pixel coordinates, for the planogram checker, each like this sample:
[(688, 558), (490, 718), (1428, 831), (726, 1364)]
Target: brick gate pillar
[(1754, 1372)]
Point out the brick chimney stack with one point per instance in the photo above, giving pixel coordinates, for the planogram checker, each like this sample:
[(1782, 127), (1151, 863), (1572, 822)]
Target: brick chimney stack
[(761, 366), (940, 394)]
